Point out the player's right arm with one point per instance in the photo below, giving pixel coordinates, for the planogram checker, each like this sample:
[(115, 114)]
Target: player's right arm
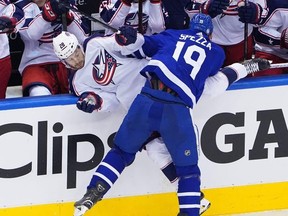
[(226, 76)]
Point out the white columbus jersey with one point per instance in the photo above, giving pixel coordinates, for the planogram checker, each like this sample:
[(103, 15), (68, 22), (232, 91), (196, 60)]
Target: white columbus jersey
[(228, 30), (116, 14), (267, 36), (114, 77), (9, 10), (37, 35)]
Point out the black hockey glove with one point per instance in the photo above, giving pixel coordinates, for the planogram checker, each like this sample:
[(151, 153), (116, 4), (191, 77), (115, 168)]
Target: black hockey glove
[(7, 24), (89, 101), (127, 35), (52, 10), (251, 13), (214, 7)]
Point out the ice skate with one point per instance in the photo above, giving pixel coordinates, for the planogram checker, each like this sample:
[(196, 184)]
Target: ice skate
[(91, 197), (204, 204), (80, 210)]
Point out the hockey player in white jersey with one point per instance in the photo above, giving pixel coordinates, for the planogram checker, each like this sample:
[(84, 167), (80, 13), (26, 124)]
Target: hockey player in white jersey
[(11, 19), (42, 72), (272, 37), (106, 79), (229, 17), (125, 12)]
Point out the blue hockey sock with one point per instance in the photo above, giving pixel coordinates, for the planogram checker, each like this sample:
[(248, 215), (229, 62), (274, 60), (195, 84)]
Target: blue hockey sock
[(170, 172), (111, 167), (189, 190)]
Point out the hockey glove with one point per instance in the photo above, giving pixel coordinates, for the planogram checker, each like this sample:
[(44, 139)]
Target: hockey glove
[(255, 65), (89, 101), (251, 13), (51, 11), (284, 39), (69, 18), (7, 24), (127, 35), (214, 7)]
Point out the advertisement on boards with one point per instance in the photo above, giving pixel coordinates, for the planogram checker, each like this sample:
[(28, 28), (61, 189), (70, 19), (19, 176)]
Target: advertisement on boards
[(54, 150)]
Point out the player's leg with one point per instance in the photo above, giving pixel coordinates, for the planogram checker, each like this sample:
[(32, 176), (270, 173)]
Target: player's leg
[(61, 77), (235, 53), (129, 139), (36, 81), (5, 72), (158, 152), (104, 177), (181, 139)]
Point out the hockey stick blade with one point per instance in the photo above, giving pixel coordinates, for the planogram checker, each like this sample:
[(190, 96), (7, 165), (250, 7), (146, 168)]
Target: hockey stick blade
[(279, 65), (68, 6)]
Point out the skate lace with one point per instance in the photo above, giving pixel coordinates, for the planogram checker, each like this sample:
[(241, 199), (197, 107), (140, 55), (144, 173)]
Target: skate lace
[(252, 67)]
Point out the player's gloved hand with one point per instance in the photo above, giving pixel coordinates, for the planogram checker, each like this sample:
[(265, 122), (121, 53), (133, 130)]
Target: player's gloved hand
[(69, 18), (214, 7), (251, 13), (127, 35), (52, 10), (284, 39), (89, 101), (7, 24), (256, 64)]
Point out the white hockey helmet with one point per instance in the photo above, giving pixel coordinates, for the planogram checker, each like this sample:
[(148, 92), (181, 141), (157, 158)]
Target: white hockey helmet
[(65, 44)]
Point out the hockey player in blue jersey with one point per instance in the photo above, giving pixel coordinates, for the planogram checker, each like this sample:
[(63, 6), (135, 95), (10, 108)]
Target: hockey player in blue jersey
[(184, 66)]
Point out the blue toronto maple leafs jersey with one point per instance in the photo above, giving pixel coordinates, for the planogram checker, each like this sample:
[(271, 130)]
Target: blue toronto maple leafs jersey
[(182, 59)]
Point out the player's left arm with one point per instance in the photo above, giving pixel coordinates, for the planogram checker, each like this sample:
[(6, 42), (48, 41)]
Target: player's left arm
[(129, 41), (11, 19)]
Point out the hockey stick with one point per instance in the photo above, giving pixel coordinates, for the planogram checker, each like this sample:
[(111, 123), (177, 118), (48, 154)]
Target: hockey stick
[(68, 6), (279, 65), (64, 21), (245, 36), (140, 16)]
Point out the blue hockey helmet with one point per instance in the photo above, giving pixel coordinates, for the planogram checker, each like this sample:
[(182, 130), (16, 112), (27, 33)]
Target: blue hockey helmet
[(202, 22)]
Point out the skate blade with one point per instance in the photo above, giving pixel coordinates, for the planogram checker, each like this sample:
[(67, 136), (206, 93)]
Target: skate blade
[(204, 205), (80, 211)]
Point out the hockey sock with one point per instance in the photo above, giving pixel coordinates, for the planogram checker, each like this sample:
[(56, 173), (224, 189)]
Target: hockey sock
[(189, 190), (5, 72), (170, 172), (111, 167)]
